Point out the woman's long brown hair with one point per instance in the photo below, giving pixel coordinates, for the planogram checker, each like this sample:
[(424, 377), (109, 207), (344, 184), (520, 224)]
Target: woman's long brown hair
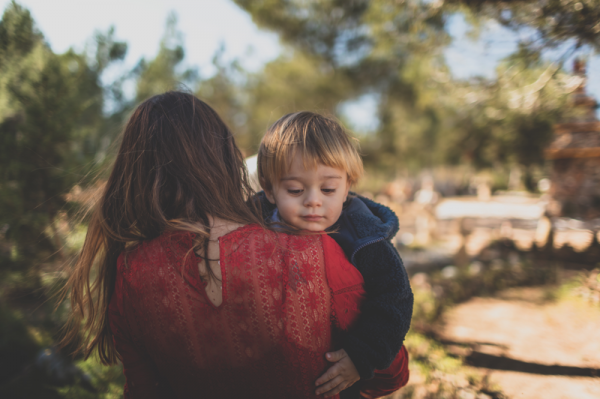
[(177, 163)]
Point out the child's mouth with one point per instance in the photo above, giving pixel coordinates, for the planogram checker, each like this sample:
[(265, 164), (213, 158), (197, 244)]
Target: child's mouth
[(312, 218)]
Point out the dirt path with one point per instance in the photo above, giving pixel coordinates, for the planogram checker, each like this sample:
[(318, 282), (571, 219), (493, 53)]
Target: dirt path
[(530, 347)]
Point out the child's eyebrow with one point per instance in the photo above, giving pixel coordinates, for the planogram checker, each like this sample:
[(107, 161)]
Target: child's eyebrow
[(286, 178)]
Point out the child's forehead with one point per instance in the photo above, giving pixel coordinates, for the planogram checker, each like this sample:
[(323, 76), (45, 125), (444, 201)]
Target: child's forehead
[(309, 162), (299, 169)]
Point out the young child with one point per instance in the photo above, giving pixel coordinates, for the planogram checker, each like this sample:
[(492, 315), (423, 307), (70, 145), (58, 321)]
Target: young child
[(306, 166)]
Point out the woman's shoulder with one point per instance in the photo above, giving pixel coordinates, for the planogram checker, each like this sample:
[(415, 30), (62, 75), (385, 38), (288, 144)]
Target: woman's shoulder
[(173, 244), (258, 238), (149, 254)]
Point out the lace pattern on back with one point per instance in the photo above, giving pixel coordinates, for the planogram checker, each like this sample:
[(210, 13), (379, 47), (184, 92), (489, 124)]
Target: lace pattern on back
[(266, 339)]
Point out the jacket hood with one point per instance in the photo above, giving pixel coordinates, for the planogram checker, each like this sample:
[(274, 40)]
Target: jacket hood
[(370, 218), (363, 222)]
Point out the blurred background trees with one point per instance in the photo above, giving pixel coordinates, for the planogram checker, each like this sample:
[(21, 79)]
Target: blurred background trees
[(392, 50), (60, 121), (51, 125)]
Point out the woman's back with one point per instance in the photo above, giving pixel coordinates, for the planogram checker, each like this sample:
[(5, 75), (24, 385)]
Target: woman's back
[(266, 339)]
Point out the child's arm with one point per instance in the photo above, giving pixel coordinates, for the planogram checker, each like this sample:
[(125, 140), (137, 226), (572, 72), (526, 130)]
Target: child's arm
[(377, 336)]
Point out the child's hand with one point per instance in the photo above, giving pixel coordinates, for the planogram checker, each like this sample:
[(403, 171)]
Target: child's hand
[(339, 376)]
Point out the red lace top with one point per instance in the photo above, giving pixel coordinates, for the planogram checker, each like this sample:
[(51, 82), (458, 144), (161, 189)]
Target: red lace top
[(266, 339), (283, 296)]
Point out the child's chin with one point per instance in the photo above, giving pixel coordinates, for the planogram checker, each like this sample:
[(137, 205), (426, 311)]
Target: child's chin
[(315, 228)]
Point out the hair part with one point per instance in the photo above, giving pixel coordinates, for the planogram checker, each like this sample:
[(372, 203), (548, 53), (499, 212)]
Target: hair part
[(319, 139), (177, 164)]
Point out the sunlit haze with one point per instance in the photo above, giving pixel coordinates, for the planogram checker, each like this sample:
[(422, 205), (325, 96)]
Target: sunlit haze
[(208, 24), (205, 24)]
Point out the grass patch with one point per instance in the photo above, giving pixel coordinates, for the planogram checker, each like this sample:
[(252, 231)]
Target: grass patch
[(435, 374)]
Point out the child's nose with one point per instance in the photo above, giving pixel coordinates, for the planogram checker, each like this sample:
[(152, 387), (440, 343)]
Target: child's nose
[(312, 199)]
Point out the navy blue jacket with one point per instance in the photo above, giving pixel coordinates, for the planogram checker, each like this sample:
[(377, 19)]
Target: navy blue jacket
[(364, 231)]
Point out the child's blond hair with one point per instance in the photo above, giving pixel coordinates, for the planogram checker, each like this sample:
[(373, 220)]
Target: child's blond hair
[(319, 139)]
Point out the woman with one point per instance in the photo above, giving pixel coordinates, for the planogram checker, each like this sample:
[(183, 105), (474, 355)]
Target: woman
[(193, 294)]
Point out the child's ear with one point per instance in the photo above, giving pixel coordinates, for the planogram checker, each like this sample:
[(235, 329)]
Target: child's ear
[(347, 190), (270, 197), (268, 192)]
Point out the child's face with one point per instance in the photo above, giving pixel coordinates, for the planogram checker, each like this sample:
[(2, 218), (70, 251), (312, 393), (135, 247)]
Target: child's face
[(310, 199)]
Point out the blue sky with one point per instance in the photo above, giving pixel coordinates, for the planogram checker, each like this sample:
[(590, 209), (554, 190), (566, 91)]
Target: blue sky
[(207, 24)]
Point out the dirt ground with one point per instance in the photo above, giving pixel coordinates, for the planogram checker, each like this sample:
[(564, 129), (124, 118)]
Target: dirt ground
[(530, 346)]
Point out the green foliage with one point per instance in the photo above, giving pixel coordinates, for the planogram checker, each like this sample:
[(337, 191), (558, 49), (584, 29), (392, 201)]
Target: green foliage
[(17, 33), (554, 21), (291, 83), (437, 374), (353, 34), (107, 382), (508, 121), (327, 28), (394, 49), (51, 127), (225, 91), (586, 286), (36, 132), (162, 73), (16, 343), (250, 103), (429, 356), (342, 50)]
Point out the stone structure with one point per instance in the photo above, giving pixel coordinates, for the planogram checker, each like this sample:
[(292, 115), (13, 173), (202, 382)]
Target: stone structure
[(575, 156)]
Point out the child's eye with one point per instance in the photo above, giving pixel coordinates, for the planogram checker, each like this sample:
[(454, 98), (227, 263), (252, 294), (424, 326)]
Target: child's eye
[(294, 192), (328, 190)]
